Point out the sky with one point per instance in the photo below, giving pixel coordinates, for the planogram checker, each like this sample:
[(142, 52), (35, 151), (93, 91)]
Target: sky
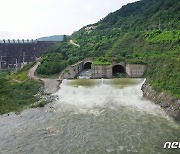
[(31, 19)]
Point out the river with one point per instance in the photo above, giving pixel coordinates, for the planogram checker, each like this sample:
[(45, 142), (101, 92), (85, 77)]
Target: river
[(91, 117)]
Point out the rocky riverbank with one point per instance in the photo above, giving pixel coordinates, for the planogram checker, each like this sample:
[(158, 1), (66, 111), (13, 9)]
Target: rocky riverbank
[(51, 85), (45, 93), (169, 103)]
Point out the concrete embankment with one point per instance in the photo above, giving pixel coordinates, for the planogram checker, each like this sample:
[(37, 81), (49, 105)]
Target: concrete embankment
[(169, 103)]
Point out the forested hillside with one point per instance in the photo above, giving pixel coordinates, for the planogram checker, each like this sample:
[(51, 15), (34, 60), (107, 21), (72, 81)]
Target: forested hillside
[(147, 31)]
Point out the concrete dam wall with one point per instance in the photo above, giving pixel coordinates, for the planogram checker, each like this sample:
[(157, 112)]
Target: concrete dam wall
[(15, 53)]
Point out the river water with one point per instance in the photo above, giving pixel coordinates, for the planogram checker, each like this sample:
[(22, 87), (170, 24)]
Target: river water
[(91, 117)]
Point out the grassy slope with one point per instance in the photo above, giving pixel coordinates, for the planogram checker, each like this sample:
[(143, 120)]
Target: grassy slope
[(21, 74), (14, 96)]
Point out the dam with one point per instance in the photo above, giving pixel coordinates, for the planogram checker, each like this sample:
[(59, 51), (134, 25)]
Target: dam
[(17, 53)]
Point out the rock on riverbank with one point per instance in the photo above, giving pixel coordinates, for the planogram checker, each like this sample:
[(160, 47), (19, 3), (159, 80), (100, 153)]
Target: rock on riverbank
[(169, 103), (51, 85)]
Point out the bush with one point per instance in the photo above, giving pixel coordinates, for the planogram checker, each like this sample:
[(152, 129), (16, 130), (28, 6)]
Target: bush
[(15, 96)]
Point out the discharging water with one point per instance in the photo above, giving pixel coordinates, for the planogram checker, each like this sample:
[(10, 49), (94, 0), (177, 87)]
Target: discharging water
[(85, 74), (91, 117)]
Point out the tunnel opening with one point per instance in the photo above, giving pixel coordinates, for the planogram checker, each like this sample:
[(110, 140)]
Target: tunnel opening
[(118, 71), (86, 71), (87, 65)]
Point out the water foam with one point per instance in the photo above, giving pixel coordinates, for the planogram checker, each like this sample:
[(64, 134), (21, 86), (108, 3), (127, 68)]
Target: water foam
[(106, 96)]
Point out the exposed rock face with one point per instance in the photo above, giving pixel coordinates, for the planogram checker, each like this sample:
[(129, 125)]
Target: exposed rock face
[(169, 103)]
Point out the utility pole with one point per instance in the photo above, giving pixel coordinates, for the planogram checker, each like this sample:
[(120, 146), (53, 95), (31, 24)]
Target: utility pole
[(16, 64), (23, 57), (1, 61), (23, 60)]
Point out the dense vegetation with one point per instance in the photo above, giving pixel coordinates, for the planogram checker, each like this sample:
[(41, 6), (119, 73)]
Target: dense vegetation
[(17, 91), (144, 32)]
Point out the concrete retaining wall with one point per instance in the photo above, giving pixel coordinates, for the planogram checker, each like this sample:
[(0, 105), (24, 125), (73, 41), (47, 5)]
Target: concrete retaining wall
[(135, 70), (101, 72), (73, 70)]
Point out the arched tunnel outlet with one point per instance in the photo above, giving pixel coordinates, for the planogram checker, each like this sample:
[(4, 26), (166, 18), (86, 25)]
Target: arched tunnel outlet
[(86, 71), (118, 71), (87, 65)]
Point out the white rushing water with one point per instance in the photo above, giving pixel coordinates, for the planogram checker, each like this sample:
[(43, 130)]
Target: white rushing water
[(91, 117), (102, 93)]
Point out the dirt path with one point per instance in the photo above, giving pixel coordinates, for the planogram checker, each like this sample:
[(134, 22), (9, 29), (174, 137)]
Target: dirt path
[(31, 72), (51, 85), (71, 41)]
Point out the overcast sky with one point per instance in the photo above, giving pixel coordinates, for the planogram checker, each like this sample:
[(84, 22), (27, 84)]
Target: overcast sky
[(31, 19)]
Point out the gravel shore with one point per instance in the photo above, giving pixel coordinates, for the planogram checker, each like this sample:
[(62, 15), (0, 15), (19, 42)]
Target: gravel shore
[(51, 85)]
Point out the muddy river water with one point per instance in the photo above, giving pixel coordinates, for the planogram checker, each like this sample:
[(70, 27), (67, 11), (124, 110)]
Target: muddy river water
[(91, 117)]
